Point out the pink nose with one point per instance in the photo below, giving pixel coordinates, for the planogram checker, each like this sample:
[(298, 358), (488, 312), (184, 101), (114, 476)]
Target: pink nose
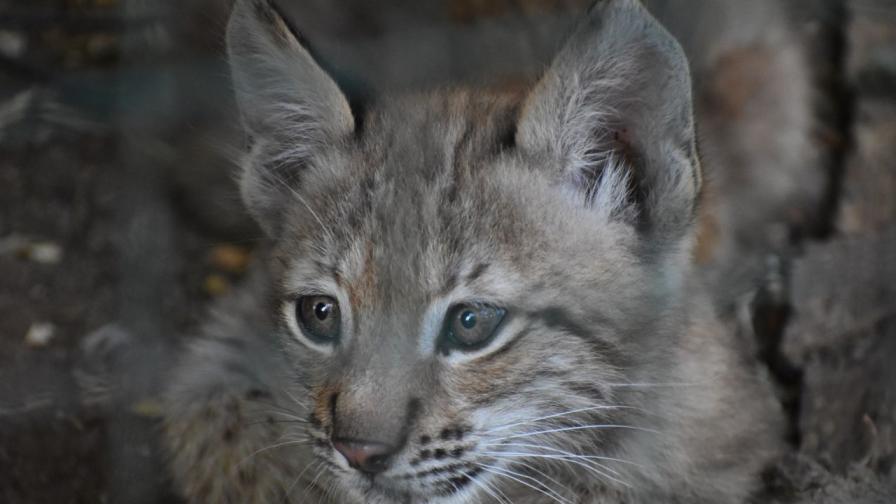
[(368, 457)]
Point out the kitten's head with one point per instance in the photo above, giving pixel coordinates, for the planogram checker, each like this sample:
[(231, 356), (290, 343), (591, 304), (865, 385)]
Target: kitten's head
[(467, 279)]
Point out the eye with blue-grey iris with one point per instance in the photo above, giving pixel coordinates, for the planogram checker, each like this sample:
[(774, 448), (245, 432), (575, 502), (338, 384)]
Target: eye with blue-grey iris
[(470, 326)]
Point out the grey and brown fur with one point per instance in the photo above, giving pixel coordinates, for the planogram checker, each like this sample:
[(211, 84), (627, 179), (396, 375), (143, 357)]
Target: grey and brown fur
[(572, 205)]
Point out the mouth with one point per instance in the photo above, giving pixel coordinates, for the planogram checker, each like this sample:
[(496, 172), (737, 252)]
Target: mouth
[(458, 484), (435, 472), (432, 485)]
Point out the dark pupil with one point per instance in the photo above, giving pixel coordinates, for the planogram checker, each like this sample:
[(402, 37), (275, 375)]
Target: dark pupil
[(468, 319), (322, 310)]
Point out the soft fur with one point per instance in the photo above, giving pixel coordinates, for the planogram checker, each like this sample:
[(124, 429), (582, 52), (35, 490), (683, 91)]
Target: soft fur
[(572, 206)]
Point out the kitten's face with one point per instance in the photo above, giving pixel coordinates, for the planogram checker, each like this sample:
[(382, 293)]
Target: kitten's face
[(468, 282), (449, 301)]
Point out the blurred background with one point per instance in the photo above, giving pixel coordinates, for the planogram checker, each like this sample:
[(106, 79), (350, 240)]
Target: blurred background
[(119, 143)]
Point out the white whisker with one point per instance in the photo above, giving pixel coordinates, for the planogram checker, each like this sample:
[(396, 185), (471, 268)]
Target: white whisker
[(550, 457), (534, 469), (578, 427), (547, 492), (298, 478), (295, 418), (590, 467), (559, 451), (278, 445), (486, 488), (555, 415), (301, 404), (313, 483), (657, 384)]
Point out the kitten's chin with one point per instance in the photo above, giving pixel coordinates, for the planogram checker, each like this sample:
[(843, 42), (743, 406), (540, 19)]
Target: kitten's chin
[(360, 488), (387, 491)]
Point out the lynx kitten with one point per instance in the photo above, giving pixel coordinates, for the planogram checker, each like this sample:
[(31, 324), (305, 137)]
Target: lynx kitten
[(470, 296)]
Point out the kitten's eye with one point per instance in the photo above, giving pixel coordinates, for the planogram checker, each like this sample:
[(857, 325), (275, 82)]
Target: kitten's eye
[(319, 318), (470, 326)]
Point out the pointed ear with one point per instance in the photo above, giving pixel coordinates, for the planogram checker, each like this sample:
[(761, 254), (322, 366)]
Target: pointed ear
[(614, 111), (289, 105)]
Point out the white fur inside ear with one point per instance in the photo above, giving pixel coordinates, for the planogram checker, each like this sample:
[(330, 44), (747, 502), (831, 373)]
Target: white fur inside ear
[(609, 194), (618, 94)]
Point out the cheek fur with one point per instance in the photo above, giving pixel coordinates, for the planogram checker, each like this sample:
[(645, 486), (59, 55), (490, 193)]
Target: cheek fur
[(505, 374)]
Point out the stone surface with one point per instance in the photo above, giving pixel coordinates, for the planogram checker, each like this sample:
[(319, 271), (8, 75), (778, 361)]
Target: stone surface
[(848, 412), (838, 289), (872, 40), (841, 334), (800, 480), (869, 182)]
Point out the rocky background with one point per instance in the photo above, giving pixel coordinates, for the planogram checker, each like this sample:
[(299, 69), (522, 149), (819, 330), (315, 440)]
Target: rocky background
[(113, 118)]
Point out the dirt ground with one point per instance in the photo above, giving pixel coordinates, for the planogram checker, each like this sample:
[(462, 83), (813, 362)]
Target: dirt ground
[(89, 237)]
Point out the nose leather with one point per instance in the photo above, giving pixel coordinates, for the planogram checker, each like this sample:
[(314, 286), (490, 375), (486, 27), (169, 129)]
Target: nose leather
[(365, 456)]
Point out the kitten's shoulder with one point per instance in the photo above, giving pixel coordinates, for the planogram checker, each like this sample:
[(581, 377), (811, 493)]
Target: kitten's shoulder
[(729, 422), (223, 419)]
